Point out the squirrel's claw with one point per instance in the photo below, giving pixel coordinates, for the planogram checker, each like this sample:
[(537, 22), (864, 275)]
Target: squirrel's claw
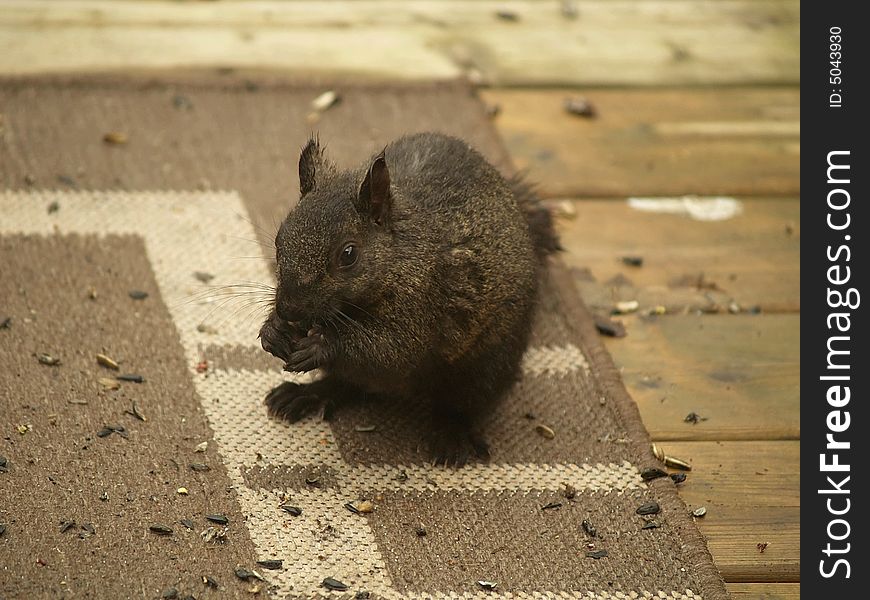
[(292, 401), (311, 353)]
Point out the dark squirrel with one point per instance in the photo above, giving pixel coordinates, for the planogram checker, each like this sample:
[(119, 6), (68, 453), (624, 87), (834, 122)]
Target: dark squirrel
[(413, 277)]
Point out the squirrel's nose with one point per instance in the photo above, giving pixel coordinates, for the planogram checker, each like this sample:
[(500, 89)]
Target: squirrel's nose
[(288, 312)]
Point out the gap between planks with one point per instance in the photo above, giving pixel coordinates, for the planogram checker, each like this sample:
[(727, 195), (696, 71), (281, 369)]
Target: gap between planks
[(642, 142), (612, 42)]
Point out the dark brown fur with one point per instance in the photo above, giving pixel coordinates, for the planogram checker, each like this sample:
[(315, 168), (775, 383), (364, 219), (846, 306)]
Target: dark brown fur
[(437, 307)]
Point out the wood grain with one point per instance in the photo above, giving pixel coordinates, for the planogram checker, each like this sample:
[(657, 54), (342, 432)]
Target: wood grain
[(765, 591), (740, 373), (613, 42), (752, 260), (739, 141), (752, 494)]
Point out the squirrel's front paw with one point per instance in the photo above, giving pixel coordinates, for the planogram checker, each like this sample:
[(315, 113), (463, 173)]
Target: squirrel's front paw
[(292, 401), (311, 352), (278, 337)]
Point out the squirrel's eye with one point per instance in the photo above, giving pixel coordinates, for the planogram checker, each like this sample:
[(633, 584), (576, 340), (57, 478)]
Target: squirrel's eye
[(348, 255)]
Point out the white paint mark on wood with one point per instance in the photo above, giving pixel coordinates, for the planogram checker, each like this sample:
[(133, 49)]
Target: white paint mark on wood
[(718, 208)]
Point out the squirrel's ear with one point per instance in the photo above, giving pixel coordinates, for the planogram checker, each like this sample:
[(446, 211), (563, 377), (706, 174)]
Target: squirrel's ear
[(312, 164), (374, 198)]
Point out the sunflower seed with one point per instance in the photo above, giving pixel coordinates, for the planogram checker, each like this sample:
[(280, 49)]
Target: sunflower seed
[(694, 418), (201, 447), (588, 528), (6, 323), (551, 506), (169, 593), (700, 511), (487, 585), (53, 207), (160, 529), (131, 377), (219, 519), (200, 467), (420, 530), (109, 383), (187, 523), (577, 105), (650, 525), (137, 294), (331, 583), (293, 510), (66, 526), (648, 508), (215, 534), (545, 432), (271, 564), (652, 473), (365, 428), (678, 477), (115, 138), (134, 411), (203, 276), (632, 261), (2, 529), (325, 101), (597, 554), (210, 581)]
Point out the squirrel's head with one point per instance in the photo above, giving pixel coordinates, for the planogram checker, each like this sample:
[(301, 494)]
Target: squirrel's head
[(333, 246)]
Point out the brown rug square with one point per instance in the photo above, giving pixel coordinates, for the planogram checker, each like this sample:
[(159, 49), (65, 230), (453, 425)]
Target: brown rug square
[(135, 248)]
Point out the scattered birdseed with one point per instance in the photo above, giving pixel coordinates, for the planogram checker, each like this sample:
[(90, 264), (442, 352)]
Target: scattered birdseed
[(325, 101), (365, 507), (247, 574), (420, 530), (210, 581), (650, 525), (331, 583), (365, 428), (293, 510), (2, 529), (700, 511), (160, 529), (570, 492), (271, 564), (362, 595), (6, 323), (200, 467), (203, 328), (88, 530), (48, 360), (507, 15), (116, 138), (66, 526), (105, 432), (626, 307), (597, 554), (203, 276), (350, 506), (676, 463), (189, 524), (402, 476), (545, 432), (201, 366), (67, 180), (137, 294), (4, 464), (648, 508), (487, 585), (201, 447), (131, 377), (632, 261), (179, 101), (182, 491), (579, 106), (107, 362), (694, 418), (652, 473), (609, 327), (658, 452), (551, 506), (678, 477), (109, 383), (219, 519), (215, 534), (169, 593), (134, 411), (22, 429), (53, 207), (589, 528), (762, 546)]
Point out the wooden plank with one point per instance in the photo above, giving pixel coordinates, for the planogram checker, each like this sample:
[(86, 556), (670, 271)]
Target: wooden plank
[(613, 42), (765, 591), (752, 259), (752, 494), (743, 141), (741, 373)]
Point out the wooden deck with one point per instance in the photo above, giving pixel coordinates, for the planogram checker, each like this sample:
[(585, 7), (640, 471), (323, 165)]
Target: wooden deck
[(694, 97)]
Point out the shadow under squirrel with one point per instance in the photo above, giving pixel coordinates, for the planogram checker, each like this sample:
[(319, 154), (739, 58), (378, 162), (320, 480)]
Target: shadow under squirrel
[(414, 277)]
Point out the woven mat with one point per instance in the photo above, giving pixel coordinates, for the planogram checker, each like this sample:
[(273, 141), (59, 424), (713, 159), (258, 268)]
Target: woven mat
[(205, 174)]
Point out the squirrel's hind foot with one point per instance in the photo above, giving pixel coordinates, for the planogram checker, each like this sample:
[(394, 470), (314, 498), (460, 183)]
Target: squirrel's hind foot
[(452, 448)]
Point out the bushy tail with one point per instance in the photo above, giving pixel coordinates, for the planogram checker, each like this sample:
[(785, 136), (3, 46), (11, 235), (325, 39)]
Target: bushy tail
[(540, 220)]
